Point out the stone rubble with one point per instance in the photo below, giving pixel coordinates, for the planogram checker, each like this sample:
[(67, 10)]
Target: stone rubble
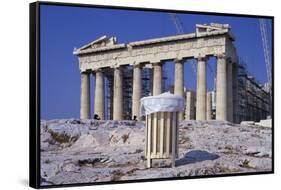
[(261, 123), (86, 151)]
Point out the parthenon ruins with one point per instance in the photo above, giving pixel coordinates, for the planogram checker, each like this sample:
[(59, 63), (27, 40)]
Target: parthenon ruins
[(105, 55)]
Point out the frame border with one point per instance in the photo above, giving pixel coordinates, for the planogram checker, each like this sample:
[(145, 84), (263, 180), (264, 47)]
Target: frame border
[(34, 92), (34, 95)]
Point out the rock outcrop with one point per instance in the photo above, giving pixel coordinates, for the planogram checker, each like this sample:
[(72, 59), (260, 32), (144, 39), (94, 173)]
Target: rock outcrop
[(83, 151)]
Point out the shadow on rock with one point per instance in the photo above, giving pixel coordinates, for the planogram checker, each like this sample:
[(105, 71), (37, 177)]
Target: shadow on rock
[(196, 156)]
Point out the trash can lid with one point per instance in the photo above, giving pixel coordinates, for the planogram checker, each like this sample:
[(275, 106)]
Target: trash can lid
[(165, 102)]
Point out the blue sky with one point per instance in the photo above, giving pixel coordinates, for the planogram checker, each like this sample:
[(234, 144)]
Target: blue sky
[(64, 28)]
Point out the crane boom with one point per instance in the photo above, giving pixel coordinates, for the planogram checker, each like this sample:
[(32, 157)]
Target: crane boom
[(179, 28), (177, 23), (265, 49)]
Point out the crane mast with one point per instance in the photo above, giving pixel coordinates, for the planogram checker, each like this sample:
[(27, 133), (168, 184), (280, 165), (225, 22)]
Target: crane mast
[(179, 28), (265, 44), (177, 23)]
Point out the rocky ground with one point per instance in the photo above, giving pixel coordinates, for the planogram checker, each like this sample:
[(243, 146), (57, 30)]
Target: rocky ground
[(75, 151)]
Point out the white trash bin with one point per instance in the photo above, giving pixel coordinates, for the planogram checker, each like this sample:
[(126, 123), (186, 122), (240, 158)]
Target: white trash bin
[(161, 126)]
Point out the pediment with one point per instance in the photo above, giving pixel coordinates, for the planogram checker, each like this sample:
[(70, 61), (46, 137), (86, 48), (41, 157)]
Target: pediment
[(211, 27), (103, 41)]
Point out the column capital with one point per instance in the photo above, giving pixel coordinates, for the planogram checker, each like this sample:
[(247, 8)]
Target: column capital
[(156, 63), (116, 66), (85, 72), (226, 58), (178, 60), (137, 65), (201, 57), (97, 71), (221, 56)]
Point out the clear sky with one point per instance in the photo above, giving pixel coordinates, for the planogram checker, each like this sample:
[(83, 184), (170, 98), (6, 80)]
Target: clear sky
[(64, 28)]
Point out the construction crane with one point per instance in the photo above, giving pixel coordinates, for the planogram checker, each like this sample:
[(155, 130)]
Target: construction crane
[(180, 30), (266, 51), (177, 23)]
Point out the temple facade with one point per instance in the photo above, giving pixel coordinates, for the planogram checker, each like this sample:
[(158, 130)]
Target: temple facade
[(213, 40)]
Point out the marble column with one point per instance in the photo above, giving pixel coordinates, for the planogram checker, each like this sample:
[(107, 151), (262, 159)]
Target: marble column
[(190, 105), (85, 96), (118, 94), (157, 79), (229, 93), (99, 94), (137, 91), (201, 89), (209, 106), (235, 92), (179, 82), (221, 96)]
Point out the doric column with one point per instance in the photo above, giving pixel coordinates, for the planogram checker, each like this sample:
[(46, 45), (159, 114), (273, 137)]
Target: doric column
[(85, 96), (118, 94), (235, 92), (137, 90), (221, 96), (190, 105), (201, 89), (209, 106), (229, 93), (179, 82), (99, 94), (157, 79), (110, 86)]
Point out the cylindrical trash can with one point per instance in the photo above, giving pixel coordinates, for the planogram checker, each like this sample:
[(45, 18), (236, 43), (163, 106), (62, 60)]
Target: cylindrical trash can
[(161, 126)]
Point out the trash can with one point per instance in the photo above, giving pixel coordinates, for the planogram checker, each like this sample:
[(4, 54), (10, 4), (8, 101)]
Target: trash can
[(161, 126)]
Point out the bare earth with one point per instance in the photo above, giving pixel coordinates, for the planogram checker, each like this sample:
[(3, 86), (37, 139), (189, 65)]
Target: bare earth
[(75, 151)]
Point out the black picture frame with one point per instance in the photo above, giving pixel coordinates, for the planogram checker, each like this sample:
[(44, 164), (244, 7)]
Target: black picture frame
[(34, 92)]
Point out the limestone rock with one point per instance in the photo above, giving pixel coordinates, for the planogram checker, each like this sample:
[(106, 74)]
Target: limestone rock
[(82, 151)]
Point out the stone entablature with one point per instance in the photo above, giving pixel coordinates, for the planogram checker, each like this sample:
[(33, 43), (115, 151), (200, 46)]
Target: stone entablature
[(185, 46)]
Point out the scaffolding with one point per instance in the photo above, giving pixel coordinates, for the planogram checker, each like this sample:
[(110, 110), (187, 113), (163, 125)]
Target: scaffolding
[(108, 82), (146, 75), (253, 100), (127, 71)]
